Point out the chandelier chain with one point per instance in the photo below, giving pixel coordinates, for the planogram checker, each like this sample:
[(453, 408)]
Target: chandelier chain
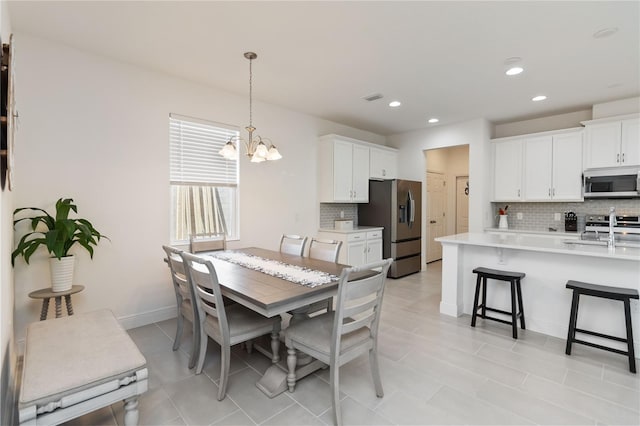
[(250, 93)]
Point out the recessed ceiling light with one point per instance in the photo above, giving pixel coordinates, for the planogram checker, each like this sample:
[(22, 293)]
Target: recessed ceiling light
[(514, 71), (538, 98), (394, 104), (605, 32), (433, 120)]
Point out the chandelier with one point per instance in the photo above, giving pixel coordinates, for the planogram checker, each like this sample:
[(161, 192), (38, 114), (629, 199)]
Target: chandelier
[(256, 148)]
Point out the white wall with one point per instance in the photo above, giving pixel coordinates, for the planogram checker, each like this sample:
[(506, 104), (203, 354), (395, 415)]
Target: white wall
[(411, 162), (7, 353), (96, 130), (543, 124)]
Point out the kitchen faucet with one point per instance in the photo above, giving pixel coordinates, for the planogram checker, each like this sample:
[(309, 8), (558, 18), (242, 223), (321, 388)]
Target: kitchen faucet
[(611, 242)]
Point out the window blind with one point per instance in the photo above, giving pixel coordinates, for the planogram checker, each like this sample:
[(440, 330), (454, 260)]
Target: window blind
[(194, 158)]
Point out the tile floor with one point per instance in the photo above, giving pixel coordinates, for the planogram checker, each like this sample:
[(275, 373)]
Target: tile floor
[(435, 370)]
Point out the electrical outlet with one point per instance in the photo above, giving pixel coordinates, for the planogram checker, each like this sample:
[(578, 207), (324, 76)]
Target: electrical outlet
[(556, 217), (519, 215)]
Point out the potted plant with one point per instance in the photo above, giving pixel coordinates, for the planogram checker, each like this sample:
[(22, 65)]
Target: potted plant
[(58, 235)]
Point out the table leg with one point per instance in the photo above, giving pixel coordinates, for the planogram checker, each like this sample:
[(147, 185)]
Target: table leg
[(45, 309), (58, 306), (67, 300)]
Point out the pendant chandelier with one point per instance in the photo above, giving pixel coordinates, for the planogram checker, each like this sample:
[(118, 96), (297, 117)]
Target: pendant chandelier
[(256, 148)]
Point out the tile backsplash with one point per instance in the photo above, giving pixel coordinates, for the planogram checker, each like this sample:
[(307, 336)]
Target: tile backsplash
[(331, 211), (540, 216)]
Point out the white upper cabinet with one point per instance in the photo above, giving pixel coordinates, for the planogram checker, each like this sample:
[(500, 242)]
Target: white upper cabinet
[(612, 142), (507, 167), (383, 163), (343, 170), (539, 167)]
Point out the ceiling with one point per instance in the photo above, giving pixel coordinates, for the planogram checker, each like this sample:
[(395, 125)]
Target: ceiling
[(440, 59)]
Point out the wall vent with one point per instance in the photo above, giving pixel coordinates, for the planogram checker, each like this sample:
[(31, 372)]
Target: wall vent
[(373, 97)]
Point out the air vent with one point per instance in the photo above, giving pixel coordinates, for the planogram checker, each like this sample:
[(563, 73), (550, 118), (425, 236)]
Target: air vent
[(373, 97)]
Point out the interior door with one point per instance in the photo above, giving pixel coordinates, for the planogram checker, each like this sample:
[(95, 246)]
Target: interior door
[(436, 225), (462, 204)]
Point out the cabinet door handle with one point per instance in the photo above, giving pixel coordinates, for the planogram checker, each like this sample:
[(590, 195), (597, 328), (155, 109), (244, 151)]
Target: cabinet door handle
[(549, 192), (432, 221), (553, 192), (623, 157), (618, 158), (518, 192)]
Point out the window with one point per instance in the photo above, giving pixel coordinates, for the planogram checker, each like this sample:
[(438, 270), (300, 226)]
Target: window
[(204, 185)]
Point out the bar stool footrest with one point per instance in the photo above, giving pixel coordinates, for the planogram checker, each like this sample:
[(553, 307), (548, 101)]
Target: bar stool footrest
[(605, 336), (606, 348)]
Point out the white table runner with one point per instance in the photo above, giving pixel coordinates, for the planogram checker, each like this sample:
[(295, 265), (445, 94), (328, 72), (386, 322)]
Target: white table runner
[(296, 274)]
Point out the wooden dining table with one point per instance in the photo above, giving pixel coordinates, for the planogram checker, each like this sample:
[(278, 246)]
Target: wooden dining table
[(270, 296)]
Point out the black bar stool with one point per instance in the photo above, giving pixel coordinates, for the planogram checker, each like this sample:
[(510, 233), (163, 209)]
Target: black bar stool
[(615, 293), (495, 274)]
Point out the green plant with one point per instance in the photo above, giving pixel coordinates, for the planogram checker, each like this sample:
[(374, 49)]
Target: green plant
[(60, 235)]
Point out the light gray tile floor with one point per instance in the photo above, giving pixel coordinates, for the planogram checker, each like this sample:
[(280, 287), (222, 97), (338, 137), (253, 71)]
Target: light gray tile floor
[(435, 370)]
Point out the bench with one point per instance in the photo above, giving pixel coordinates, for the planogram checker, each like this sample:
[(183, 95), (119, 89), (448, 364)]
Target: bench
[(78, 364)]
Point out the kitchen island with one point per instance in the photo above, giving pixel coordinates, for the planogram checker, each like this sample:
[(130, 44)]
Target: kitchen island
[(548, 262)]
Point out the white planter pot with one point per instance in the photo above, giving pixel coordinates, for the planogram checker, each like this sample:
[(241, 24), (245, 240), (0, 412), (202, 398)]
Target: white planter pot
[(62, 273)]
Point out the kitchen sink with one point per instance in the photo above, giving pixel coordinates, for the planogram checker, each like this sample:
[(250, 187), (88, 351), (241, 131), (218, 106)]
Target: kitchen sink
[(602, 243)]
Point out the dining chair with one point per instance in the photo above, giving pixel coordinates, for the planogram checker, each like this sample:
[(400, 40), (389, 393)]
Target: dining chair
[(336, 338), (186, 309), (327, 250), (227, 325), (199, 243), (292, 244)]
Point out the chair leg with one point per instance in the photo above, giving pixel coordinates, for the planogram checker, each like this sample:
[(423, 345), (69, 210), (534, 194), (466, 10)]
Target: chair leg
[(275, 346), (375, 372), (292, 360), (195, 344), (474, 314), (179, 327), (334, 383), (203, 340), (514, 310), (519, 289), (631, 350), (573, 317), (225, 355)]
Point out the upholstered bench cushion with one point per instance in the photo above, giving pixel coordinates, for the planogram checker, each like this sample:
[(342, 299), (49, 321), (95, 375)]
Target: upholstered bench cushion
[(70, 354)]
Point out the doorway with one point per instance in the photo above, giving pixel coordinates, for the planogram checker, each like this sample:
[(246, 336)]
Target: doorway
[(462, 204), (436, 217)]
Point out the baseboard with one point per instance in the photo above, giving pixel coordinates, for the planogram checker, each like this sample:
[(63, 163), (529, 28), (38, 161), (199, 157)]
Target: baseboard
[(149, 317)]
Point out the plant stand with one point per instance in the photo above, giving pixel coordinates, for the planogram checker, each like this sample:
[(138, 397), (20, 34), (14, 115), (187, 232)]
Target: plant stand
[(46, 293)]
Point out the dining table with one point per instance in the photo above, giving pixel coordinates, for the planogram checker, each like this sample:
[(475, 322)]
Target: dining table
[(271, 295)]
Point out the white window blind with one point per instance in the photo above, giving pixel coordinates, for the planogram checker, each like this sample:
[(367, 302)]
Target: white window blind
[(203, 183), (194, 158)]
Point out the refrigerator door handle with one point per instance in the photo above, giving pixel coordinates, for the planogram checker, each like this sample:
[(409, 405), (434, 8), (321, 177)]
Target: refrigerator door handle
[(412, 209)]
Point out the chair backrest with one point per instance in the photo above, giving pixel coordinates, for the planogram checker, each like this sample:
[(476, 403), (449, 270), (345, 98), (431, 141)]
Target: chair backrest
[(205, 286), (359, 302), (292, 244), (178, 274), (207, 242), (324, 249)]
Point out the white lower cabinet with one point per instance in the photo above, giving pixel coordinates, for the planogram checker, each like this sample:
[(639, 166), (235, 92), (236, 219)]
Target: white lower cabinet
[(359, 247)]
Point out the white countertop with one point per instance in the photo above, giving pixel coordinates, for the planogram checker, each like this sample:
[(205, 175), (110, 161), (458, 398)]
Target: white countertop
[(540, 243), (355, 229), (563, 234)]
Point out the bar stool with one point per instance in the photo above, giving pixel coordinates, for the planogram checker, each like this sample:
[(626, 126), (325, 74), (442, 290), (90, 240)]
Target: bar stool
[(495, 274), (614, 293)]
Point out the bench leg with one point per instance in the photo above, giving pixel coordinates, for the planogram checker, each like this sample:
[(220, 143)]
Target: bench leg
[(514, 311), (474, 314), (519, 289), (573, 317), (484, 297), (631, 350), (131, 411)]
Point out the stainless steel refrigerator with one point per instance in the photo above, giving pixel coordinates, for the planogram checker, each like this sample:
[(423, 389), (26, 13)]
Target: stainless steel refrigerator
[(396, 205)]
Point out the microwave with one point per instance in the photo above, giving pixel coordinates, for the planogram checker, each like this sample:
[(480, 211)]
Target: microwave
[(612, 182)]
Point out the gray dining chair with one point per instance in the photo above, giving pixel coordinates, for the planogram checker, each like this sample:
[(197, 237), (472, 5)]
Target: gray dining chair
[(227, 325), (199, 243), (292, 244), (185, 307), (336, 338), (324, 249)]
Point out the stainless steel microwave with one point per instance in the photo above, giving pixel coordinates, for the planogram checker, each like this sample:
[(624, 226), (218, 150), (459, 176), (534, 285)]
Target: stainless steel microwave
[(612, 182)]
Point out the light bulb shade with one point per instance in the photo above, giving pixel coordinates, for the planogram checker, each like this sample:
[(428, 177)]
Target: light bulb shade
[(261, 150), (255, 158), (229, 151), (273, 153)]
